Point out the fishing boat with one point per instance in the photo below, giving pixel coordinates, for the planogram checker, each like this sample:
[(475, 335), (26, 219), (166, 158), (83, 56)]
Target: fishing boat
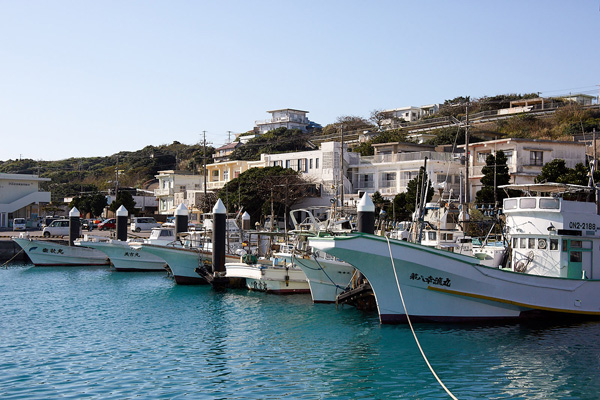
[(124, 256), (548, 268), (264, 273), (327, 276), (48, 253)]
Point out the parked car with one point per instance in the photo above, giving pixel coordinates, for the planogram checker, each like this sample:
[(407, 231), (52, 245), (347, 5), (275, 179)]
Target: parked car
[(88, 224), (107, 224), (59, 227), (139, 224), (19, 224)]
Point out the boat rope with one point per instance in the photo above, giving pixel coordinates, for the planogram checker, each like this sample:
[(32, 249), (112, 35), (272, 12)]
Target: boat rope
[(5, 265), (297, 261), (412, 329)]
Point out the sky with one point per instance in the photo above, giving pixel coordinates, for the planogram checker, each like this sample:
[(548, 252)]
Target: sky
[(89, 78)]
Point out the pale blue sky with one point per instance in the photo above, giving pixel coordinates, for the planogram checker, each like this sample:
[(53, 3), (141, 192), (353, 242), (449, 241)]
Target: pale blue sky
[(91, 78)]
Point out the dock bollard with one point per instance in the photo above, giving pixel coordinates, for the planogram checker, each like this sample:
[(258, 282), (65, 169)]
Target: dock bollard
[(366, 215), (74, 225), (218, 237), (122, 215), (181, 219)]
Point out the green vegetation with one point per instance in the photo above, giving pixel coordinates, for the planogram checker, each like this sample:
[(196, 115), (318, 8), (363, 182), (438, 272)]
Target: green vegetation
[(256, 188), (279, 140), (495, 173)]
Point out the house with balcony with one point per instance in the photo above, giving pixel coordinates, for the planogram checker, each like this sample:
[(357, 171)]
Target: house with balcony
[(171, 182), (525, 158), (321, 167), (287, 118), (223, 152), (20, 197), (408, 114), (395, 164)]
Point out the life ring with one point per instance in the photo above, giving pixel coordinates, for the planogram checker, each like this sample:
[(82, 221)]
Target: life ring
[(542, 244)]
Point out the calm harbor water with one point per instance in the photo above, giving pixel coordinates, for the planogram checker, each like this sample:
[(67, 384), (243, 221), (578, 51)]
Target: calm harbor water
[(94, 333)]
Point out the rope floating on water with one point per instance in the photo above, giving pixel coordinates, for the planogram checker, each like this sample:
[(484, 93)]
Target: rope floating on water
[(412, 329)]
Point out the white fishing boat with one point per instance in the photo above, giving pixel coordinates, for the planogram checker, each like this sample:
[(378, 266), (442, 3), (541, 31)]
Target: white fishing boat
[(48, 253), (184, 258), (278, 278), (124, 256), (327, 276), (547, 269)]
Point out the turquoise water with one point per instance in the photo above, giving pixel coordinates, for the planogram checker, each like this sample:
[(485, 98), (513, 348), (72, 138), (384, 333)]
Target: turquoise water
[(94, 333)]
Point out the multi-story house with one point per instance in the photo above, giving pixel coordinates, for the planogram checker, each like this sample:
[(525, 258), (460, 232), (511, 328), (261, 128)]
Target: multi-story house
[(171, 182), (409, 114), (20, 197), (395, 164), (222, 153), (525, 158), (287, 117)]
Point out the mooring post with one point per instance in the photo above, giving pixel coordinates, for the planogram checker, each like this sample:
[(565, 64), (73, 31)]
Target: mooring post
[(122, 215), (181, 219), (218, 237), (74, 225), (366, 214)]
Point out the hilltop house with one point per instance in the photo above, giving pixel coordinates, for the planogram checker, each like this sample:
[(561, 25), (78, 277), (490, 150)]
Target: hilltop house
[(287, 118)]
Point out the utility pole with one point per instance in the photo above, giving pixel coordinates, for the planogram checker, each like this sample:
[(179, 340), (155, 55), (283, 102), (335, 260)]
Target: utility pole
[(116, 178), (467, 158), (204, 166), (228, 136), (342, 169)]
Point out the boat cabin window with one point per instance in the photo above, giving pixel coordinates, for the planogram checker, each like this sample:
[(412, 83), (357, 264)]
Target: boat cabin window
[(515, 243), (527, 203), (166, 233), (553, 244), (510, 204), (523, 243), (550, 204), (564, 245), (431, 235), (576, 244), (531, 243), (575, 256), (447, 236)]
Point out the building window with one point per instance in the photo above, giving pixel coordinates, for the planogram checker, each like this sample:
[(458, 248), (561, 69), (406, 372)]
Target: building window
[(310, 163), (509, 157), (316, 163), (226, 176), (481, 157), (287, 163), (536, 158)]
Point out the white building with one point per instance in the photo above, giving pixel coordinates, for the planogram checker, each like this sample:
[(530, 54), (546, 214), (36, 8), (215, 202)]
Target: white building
[(171, 182), (395, 164), (287, 118), (525, 158), (411, 113), (20, 197)]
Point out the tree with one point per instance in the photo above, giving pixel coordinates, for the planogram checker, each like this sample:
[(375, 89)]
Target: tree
[(379, 202), (558, 172), (553, 171), (349, 123), (257, 187), (124, 199), (495, 173), (278, 140), (93, 204)]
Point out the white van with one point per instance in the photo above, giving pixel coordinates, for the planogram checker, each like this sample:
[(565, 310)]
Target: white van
[(19, 224), (139, 224)]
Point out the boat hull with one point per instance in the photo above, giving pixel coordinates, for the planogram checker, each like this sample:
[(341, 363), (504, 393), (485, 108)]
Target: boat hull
[(441, 286), (48, 254), (268, 278), (326, 278), (125, 258)]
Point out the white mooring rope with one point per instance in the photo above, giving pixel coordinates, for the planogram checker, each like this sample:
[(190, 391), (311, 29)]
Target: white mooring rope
[(412, 329)]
